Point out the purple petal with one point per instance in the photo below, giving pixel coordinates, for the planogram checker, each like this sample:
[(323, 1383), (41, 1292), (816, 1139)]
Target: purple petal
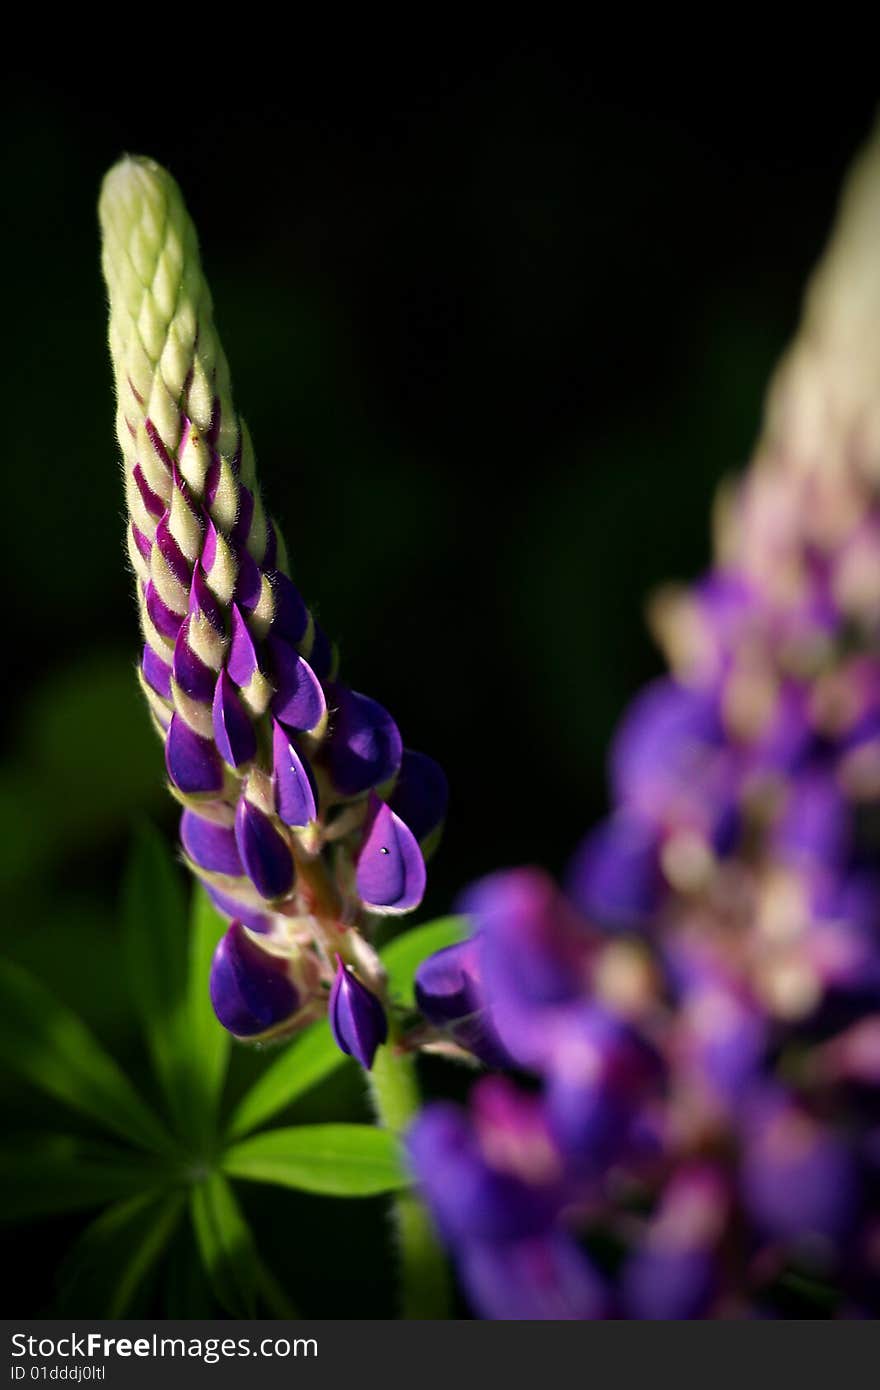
[(245, 913), (233, 730), (322, 656), (157, 672), (295, 795), (357, 1019), (364, 748), (615, 877), (248, 582), (251, 990), (815, 824), (172, 553), (669, 1284), (470, 1199), (210, 845), (241, 530), (449, 995), (799, 1179), (421, 794), (203, 601), (153, 503), (143, 543), (242, 661), (192, 761), (544, 1279), (165, 620), (264, 853), (299, 702), (290, 616), (390, 869), (192, 675)]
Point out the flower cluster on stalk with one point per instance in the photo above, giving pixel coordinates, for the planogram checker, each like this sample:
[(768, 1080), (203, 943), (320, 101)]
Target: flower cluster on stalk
[(696, 1017), (301, 811)]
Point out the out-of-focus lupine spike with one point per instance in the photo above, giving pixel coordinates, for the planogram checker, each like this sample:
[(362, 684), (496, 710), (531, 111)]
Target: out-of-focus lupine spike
[(701, 1010), (295, 789)]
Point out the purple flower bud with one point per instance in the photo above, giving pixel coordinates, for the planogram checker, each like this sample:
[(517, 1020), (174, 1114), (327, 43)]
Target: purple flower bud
[(815, 824), (364, 748), (190, 672), (390, 869), (192, 761), (203, 602), (290, 617), (799, 1178), (251, 989), (295, 797), (233, 730), (322, 657), (210, 846), (421, 794), (234, 908), (242, 661), (164, 619), (357, 1018), (299, 700), (449, 994), (615, 876), (157, 672), (264, 852), (545, 1279)]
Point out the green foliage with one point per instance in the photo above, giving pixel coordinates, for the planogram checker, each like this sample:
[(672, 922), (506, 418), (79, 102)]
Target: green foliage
[(161, 1171)]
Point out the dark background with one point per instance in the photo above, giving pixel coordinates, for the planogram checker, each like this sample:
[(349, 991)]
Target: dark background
[(498, 328)]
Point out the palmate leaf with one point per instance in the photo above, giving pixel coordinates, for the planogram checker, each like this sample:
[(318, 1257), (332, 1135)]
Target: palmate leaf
[(50, 1173), (336, 1160), (314, 1056), (47, 1045), (239, 1278), (108, 1266)]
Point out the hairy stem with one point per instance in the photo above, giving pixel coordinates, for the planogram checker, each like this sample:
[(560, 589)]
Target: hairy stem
[(424, 1275)]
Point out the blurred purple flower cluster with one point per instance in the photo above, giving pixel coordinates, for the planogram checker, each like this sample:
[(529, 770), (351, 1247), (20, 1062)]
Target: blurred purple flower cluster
[(696, 1018)]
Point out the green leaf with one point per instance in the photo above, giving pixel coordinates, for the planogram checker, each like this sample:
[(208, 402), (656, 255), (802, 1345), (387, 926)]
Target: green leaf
[(337, 1160), (303, 1063), (238, 1275), (154, 926), (207, 1039), (45, 1043), (107, 1267), (50, 1173), (403, 956)]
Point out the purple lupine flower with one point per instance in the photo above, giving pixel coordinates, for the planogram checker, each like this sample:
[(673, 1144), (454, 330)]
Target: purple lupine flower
[(303, 816), (357, 1018), (699, 1013)]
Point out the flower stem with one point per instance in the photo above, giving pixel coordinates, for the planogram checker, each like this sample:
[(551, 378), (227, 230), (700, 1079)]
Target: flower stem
[(424, 1275)]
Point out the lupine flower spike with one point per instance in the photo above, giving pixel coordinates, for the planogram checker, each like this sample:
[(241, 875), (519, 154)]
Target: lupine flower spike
[(301, 811), (702, 1006)]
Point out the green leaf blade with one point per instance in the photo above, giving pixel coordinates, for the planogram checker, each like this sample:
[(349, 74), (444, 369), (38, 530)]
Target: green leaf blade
[(206, 1037), (337, 1160), (113, 1258), (229, 1255), (43, 1042), (302, 1064)]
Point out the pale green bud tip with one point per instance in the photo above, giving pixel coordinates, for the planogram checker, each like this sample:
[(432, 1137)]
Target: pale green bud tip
[(167, 359)]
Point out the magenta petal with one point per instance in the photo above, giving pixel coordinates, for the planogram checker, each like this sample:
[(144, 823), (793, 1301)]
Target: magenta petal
[(242, 661), (264, 852), (203, 601), (233, 730), (295, 797), (153, 503), (192, 675), (192, 761), (390, 868), (299, 702), (172, 553), (210, 845), (357, 1019)]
